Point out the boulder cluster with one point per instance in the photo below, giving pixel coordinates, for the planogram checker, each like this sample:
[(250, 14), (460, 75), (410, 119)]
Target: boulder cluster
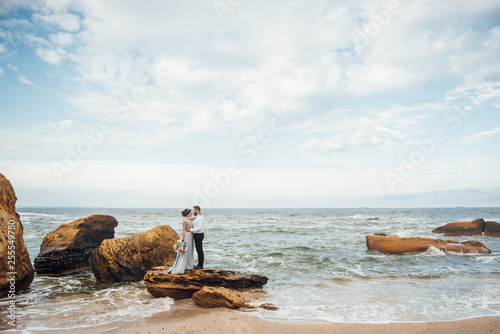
[(208, 288), (399, 246)]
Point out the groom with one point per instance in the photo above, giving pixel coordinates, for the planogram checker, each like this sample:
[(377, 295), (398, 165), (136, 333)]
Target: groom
[(198, 235)]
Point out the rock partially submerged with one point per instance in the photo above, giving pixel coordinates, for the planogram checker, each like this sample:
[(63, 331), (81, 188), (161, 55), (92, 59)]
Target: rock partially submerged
[(269, 306), (162, 284), (492, 229), (128, 259), (399, 246), (12, 244), (67, 249), (475, 227)]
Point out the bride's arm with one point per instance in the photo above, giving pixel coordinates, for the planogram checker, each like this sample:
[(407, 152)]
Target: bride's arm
[(183, 229)]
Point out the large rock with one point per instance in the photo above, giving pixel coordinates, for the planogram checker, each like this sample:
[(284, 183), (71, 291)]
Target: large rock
[(162, 284), (396, 245), (128, 259), (13, 252), (67, 249), (475, 227), (210, 297), (492, 229)]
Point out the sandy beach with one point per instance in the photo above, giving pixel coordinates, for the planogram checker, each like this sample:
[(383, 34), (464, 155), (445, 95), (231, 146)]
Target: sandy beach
[(186, 318)]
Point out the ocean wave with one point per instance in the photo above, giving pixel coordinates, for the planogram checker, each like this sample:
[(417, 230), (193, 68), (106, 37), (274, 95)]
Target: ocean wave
[(115, 303)]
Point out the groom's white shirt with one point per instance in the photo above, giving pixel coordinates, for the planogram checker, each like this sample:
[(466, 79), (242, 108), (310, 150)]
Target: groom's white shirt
[(198, 224)]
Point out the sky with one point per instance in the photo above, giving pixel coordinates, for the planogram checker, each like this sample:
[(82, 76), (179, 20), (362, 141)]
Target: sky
[(235, 103)]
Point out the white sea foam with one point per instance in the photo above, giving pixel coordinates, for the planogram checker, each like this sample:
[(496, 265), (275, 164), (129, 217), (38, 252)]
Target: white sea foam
[(488, 259), (433, 251)]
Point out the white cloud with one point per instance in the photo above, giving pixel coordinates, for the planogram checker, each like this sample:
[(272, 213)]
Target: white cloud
[(8, 5), (2, 48), (494, 41), (38, 41), (356, 129), (376, 137), (12, 67), (62, 125), (54, 139), (24, 80), (241, 71), (480, 137), (62, 39), (51, 56), (2, 71), (67, 22)]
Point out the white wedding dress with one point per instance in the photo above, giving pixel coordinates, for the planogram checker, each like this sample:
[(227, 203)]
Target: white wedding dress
[(184, 260)]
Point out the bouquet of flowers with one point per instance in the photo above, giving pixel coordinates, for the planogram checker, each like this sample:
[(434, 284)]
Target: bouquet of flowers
[(180, 246)]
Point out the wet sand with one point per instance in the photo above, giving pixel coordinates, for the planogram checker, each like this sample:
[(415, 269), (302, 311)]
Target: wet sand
[(186, 318)]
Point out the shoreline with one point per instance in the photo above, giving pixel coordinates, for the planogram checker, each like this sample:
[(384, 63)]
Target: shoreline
[(186, 318)]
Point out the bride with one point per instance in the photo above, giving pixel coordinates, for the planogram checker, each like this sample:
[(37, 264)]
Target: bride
[(185, 260)]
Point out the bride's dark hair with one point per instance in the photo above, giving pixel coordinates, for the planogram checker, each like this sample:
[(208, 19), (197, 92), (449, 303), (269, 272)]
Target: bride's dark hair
[(186, 212)]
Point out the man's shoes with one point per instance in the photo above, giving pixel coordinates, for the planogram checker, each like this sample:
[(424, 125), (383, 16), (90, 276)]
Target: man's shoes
[(198, 267)]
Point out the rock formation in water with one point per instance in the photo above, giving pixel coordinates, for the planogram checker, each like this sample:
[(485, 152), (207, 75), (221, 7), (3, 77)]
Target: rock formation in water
[(475, 227), (128, 259), (13, 251), (396, 245), (162, 284), (492, 229), (67, 249)]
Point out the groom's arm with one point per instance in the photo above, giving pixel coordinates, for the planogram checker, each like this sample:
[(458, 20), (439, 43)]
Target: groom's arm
[(200, 224)]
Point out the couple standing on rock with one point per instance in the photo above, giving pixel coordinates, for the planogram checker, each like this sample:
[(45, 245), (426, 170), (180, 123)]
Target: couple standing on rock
[(192, 234)]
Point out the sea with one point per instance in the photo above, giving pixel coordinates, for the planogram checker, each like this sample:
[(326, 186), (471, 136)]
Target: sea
[(317, 262)]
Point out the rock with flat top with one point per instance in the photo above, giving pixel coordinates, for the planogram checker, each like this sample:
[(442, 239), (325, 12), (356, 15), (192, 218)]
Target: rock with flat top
[(399, 246), (160, 283), (15, 263), (67, 249)]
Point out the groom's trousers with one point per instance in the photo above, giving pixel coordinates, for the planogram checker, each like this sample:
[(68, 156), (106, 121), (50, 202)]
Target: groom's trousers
[(198, 242)]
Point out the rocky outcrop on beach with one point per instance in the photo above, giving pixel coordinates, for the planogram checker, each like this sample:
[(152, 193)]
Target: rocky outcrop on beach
[(211, 297), (128, 259), (67, 249), (162, 284), (475, 227), (13, 250), (399, 246)]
